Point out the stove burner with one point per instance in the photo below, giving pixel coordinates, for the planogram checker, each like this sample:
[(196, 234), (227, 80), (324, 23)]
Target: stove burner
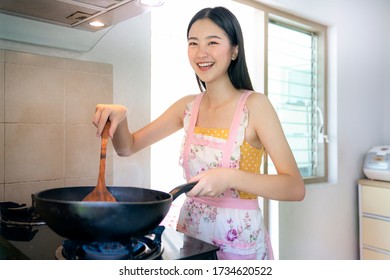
[(139, 248), (17, 221), (19, 215), (105, 251)]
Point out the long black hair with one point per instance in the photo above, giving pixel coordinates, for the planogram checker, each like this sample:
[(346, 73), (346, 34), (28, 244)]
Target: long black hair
[(227, 21)]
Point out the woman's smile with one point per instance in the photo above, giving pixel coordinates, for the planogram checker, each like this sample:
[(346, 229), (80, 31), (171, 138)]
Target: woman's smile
[(204, 66)]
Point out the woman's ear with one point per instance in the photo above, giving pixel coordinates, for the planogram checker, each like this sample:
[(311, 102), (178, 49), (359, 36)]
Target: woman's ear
[(235, 53)]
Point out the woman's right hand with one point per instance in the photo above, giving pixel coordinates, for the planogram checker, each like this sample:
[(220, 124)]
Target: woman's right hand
[(112, 112)]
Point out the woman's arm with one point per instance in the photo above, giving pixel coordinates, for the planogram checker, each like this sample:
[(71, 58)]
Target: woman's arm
[(127, 143)]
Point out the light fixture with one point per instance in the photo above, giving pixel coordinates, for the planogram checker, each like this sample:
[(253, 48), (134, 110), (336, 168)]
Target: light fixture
[(96, 24), (151, 3)]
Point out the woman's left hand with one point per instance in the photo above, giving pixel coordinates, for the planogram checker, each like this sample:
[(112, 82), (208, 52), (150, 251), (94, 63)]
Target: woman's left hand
[(211, 183)]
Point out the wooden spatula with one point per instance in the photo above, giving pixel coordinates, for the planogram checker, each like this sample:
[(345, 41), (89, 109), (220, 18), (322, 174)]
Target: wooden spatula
[(100, 192)]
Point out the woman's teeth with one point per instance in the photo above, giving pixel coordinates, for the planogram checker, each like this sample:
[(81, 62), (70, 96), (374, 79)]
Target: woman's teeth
[(205, 64)]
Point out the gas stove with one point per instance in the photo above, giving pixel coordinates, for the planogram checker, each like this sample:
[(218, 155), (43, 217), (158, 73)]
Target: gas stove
[(24, 235)]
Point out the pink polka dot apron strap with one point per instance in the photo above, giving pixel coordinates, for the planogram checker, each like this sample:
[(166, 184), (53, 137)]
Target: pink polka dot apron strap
[(190, 134), (229, 146)]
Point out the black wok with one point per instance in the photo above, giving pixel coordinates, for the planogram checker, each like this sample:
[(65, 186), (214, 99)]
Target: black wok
[(136, 212)]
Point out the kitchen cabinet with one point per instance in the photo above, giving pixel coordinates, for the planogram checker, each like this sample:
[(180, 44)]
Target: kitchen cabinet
[(374, 220)]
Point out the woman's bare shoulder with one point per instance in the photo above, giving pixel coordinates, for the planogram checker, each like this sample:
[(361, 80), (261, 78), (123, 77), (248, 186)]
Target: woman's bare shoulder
[(179, 106), (258, 100), (261, 110), (188, 98), (182, 103)]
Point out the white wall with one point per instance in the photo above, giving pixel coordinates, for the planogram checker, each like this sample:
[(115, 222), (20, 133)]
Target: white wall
[(325, 224), (386, 103), (127, 47)]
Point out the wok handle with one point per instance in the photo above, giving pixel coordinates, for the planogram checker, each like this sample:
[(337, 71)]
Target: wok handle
[(182, 189)]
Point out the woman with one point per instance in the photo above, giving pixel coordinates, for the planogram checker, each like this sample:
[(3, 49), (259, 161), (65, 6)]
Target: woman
[(227, 129)]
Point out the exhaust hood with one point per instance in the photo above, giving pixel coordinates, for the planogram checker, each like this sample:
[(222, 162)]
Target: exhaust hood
[(54, 22)]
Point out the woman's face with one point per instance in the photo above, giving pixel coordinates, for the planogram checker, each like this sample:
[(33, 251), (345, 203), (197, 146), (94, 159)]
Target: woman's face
[(209, 51)]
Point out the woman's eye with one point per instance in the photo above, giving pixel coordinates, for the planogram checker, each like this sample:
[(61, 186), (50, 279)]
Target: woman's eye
[(213, 43), (192, 44)]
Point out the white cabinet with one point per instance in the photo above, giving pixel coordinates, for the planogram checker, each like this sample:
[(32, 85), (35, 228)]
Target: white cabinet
[(374, 220)]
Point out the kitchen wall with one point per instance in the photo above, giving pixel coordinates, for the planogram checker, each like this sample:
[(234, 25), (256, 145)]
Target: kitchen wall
[(1, 125), (386, 103), (47, 139), (325, 224), (124, 55)]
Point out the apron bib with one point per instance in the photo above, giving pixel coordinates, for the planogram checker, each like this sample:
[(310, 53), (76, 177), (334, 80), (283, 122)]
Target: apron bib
[(234, 224)]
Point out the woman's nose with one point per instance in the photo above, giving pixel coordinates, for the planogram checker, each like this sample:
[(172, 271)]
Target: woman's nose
[(202, 53)]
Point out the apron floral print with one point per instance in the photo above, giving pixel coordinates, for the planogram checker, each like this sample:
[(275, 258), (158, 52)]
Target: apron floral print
[(232, 223)]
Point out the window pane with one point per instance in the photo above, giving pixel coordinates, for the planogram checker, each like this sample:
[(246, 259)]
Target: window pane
[(292, 91)]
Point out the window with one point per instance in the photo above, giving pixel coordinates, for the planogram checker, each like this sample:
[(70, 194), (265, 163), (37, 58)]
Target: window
[(294, 79)]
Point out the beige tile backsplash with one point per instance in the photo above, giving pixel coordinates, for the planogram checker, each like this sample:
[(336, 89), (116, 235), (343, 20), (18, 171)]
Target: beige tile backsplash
[(46, 136), (33, 94), (1, 86), (33, 152), (1, 125), (82, 91)]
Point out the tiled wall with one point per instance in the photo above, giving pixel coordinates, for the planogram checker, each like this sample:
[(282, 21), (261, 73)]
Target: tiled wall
[(47, 139)]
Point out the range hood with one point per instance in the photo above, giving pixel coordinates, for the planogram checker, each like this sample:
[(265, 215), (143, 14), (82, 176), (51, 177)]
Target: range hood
[(75, 13), (54, 22)]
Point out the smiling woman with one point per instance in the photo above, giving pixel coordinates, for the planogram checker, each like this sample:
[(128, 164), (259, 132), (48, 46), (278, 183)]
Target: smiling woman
[(171, 58), (214, 165), (256, 21), (224, 197)]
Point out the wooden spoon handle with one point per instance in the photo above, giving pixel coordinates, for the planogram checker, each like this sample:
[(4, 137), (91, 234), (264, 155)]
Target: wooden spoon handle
[(103, 155), (100, 192)]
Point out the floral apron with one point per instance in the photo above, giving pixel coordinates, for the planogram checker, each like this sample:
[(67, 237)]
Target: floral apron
[(234, 224)]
